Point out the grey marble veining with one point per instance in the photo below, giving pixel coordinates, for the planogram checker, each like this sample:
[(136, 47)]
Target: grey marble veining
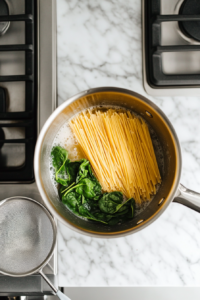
[(99, 44)]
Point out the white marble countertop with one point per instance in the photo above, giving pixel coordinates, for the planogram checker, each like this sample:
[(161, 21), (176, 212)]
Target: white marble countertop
[(99, 44)]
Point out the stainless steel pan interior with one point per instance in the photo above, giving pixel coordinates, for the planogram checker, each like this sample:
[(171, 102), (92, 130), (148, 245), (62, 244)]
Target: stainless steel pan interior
[(166, 134)]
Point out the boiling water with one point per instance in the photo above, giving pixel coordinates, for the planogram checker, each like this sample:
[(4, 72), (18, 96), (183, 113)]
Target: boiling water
[(66, 139)]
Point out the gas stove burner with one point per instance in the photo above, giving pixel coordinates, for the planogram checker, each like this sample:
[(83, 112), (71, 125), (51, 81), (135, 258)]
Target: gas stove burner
[(171, 44), (191, 28), (4, 11)]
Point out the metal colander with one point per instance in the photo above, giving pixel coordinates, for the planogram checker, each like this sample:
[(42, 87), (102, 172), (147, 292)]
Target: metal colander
[(27, 238)]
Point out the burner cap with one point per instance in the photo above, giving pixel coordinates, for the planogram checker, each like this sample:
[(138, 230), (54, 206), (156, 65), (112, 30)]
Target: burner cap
[(4, 11), (191, 28)]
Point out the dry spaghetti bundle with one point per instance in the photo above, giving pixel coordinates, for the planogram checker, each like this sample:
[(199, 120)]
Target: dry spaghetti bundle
[(119, 147)]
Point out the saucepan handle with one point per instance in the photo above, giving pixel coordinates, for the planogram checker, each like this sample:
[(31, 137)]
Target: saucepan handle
[(188, 198)]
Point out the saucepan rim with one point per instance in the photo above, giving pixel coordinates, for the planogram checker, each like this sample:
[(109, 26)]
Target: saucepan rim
[(39, 144)]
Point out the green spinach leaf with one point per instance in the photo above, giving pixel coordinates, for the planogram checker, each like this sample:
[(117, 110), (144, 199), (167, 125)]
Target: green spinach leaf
[(109, 202), (73, 200), (61, 175), (84, 211), (97, 188), (59, 157), (124, 205), (83, 170), (66, 171), (85, 187), (92, 205), (71, 170), (66, 175)]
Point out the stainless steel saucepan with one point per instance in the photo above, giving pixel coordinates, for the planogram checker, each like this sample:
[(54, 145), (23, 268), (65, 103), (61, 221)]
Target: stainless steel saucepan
[(170, 190)]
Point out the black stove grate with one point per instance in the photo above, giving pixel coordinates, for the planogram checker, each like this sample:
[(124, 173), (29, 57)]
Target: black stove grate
[(154, 49), (27, 119)]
